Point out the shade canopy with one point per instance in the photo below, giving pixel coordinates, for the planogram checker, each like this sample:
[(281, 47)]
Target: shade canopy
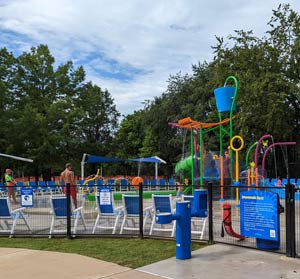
[(16, 158), (87, 158), (100, 159), (153, 159)]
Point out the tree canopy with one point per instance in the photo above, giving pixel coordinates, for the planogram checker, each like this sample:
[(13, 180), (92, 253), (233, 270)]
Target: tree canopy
[(52, 114), (268, 72)]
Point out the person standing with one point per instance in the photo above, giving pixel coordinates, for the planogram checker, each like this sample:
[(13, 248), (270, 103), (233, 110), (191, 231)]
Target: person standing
[(10, 183), (67, 176), (279, 181)]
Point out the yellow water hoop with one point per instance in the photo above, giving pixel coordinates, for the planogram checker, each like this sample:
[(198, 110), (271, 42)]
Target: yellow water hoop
[(240, 147)]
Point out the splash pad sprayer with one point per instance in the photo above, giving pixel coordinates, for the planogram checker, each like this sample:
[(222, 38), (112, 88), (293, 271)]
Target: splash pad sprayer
[(184, 212), (237, 149)]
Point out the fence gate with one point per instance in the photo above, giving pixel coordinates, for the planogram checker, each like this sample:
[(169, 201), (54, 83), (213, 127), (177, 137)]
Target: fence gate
[(276, 210)]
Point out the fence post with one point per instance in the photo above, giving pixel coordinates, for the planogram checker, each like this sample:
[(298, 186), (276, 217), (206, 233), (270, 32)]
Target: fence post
[(210, 214), (290, 220), (141, 210), (68, 192)]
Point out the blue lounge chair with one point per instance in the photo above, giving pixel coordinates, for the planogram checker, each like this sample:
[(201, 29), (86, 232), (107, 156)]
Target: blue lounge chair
[(124, 184), (172, 184), (42, 187), (162, 204), (108, 215), (59, 212), (131, 213), (153, 184), (80, 185), (53, 188), (3, 190), (162, 183), (146, 184), (7, 214)]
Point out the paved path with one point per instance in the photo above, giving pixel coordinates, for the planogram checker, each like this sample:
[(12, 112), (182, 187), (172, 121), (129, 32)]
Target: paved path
[(31, 264), (212, 262), (225, 261)]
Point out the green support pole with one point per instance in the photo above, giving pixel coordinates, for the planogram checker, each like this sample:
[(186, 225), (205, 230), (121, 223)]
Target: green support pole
[(248, 153), (230, 122)]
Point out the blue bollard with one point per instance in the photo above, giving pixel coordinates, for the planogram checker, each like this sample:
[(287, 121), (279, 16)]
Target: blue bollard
[(196, 207), (183, 228)]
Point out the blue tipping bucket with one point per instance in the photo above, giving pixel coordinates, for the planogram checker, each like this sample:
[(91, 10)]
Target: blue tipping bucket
[(224, 97)]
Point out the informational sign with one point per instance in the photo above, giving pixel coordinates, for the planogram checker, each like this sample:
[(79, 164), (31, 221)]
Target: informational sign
[(26, 197), (259, 214), (105, 196)]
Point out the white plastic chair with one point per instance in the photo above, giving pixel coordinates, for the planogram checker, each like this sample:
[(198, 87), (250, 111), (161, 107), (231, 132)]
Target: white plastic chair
[(59, 212), (107, 212), (7, 214), (162, 204), (131, 213)]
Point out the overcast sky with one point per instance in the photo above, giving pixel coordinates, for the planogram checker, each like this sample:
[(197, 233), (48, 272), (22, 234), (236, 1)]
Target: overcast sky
[(130, 47)]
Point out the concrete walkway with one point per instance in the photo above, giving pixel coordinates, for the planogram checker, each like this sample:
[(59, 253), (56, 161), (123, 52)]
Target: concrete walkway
[(224, 261), (212, 262), (32, 264)]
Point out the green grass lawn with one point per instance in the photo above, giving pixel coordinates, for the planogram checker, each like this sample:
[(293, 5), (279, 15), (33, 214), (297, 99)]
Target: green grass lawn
[(130, 252), (146, 195)]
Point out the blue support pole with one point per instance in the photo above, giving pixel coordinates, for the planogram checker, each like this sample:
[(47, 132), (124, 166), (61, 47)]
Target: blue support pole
[(183, 215), (183, 230)]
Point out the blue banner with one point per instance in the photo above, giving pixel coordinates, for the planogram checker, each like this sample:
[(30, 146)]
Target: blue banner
[(259, 214)]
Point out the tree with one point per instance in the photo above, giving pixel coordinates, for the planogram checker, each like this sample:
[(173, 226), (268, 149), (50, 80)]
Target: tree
[(267, 69), (51, 114)]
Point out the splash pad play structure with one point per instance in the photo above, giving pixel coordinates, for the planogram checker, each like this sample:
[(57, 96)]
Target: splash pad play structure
[(226, 103), (196, 166), (200, 162)]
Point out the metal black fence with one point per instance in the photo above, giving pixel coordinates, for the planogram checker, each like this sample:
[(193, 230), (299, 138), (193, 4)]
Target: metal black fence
[(226, 218), (101, 210)]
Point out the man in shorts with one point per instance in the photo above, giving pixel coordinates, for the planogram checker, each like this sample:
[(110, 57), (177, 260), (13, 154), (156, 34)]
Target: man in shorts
[(68, 177)]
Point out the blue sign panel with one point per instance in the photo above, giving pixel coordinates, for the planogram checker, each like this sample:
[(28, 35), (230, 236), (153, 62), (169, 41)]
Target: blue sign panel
[(104, 197), (26, 197), (259, 214)]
